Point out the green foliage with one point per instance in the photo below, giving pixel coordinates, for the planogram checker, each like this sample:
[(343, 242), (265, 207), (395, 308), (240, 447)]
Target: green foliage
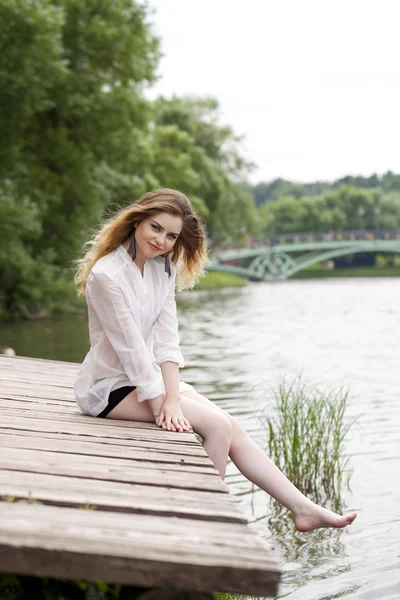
[(16, 587), (10, 587), (21, 587), (79, 139), (347, 208), (266, 192), (72, 119), (207, 163), (30, 66), (349, 203), (215, 280), (306, 435)]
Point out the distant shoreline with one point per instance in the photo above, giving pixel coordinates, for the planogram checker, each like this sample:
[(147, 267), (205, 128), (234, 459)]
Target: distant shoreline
[(216, 280), (351, 272)]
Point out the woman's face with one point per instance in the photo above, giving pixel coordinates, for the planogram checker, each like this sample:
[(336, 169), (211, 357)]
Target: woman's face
[(157, 235)]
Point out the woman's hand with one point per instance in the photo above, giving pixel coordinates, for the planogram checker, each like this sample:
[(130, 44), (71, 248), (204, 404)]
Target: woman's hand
[(171, 417)]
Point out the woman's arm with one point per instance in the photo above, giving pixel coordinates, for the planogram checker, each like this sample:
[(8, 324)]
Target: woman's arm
[(169, 357), (170, 373)]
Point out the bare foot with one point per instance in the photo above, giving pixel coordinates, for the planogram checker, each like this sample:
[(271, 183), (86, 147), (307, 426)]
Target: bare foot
[(314, 517)]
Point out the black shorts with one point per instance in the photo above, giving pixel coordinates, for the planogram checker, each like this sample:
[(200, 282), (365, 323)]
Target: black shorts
[(115, 397)]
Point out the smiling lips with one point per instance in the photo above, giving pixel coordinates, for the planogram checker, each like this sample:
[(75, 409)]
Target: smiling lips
[(154, 247)]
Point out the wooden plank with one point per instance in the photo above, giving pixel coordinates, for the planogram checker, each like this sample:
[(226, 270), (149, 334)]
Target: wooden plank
[(34, 399), (106, 462), (99, 428), (36, 370), (8, 440), (115, 496), (30, 406), (28, 361), (134, 549), (46, 391), (147, 429), (15, 459), (35, 374), (20, 363), (74, 416), (145, 445), (122, 460), (37, 379), (166, 530)]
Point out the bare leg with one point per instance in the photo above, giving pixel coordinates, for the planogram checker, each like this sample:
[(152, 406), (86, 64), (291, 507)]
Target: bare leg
[(129, 409), (258, 468), (214, 426)]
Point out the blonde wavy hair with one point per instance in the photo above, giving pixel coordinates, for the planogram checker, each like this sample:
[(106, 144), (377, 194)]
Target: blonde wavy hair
[(189, 253)]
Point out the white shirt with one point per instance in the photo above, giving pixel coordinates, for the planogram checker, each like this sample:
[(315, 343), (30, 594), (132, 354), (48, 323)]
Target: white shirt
[(133, 329)]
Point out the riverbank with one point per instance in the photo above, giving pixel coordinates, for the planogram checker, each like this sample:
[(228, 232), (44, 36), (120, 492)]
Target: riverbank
[(214, 280), (319, 273)]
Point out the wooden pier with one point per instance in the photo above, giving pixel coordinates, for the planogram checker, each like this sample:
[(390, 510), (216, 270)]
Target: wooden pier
[(114, 501)]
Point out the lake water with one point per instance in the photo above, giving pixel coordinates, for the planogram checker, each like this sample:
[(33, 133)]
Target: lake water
[(238, 344)]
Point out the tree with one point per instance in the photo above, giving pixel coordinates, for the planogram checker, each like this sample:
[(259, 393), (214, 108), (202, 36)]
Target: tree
[(73, 125), (348, 208), (284, 215), (214, 155)]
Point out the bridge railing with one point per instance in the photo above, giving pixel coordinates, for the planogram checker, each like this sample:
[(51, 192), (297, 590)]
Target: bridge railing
[(330, 236)]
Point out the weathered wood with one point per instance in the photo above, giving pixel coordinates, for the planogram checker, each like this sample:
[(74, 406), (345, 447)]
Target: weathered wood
[(158, 515), (65, 445), (73, 416), (36, 363), (36, 380), (54, 457), (147, 446), (15, 459), (45, 391), (38, 401), (46, 539), (128, 497), (97, 428)]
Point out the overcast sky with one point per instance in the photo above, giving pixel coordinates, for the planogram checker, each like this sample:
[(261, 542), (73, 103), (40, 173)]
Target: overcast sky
[(313, 85)]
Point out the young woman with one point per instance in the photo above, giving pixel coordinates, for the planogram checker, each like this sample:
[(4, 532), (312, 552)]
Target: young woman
[(132, 369)]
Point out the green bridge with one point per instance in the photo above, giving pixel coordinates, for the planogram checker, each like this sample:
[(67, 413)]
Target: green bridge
[(281, 256)]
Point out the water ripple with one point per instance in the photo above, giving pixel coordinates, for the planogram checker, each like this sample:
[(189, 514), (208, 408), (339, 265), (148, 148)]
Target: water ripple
[(338, 333)]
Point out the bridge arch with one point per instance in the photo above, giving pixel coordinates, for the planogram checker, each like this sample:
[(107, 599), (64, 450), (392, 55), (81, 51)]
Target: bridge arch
[(285, 260), (320, 257)]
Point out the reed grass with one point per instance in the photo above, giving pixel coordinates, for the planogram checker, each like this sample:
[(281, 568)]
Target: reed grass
[(306, 437)]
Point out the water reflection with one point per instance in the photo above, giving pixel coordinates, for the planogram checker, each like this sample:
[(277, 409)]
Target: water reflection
[(61, 338), (316, 555)]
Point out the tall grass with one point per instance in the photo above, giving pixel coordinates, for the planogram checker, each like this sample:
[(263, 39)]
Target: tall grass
[(306, 433)]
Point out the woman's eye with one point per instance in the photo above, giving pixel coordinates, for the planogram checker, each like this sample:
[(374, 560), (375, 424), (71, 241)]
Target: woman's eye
[(156, 227), (172, 236)]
